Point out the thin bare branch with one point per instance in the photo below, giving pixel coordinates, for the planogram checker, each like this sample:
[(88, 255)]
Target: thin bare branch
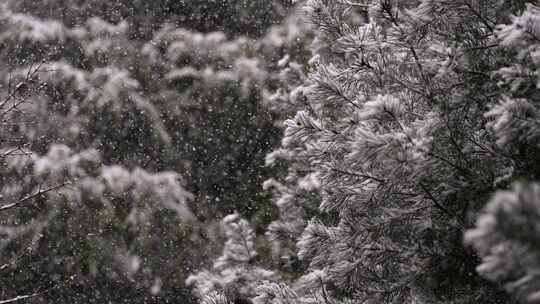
[(37, 293), (29, 197)]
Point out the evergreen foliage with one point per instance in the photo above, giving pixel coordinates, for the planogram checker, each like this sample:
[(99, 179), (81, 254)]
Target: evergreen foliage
[(235, 273), (407, 171), (504, 236), (415, 113), (129, 96)]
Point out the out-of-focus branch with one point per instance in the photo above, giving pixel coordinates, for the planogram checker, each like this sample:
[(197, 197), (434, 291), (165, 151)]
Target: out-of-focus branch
[(20, 298), (19, 257), (31, 196), (19, 93), (15, 151), (37, 293)]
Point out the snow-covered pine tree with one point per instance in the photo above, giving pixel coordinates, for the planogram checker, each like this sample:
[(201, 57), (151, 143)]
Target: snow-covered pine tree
[(294, 176), (400, 135), (235, 274), (506, 233)]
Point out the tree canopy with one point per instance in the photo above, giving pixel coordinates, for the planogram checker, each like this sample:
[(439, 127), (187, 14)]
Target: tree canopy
[(318, 151)]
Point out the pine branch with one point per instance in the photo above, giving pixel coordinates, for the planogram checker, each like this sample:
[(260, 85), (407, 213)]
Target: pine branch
[(364, 6), (463, 172), (478, 15), (434, 200), (364, 176), (325, 296)]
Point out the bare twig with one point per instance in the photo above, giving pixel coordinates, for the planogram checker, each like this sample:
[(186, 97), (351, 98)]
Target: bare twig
[(434, 200), (14, 261), (20, 298), (16, 94), (15, 151), (37, 293), (26, 251), (31, 196)]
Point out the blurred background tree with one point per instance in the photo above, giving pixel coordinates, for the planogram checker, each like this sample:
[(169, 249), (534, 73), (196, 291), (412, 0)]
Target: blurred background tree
[(157, 114)]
